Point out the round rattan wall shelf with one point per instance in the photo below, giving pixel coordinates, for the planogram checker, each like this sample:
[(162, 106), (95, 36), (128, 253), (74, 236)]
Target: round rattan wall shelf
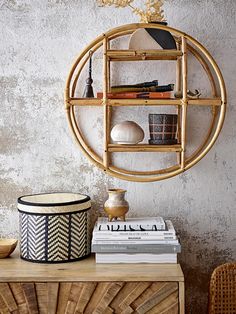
[(185, 45)]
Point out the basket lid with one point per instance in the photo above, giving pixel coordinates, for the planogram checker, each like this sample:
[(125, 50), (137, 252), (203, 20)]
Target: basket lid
[(53, 203)]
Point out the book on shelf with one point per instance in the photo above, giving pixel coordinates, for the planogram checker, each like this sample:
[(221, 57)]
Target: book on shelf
[(136, 258), (168, 234), (143, 84), (139, 95), (131, 224), (125, 89), (136, 248)]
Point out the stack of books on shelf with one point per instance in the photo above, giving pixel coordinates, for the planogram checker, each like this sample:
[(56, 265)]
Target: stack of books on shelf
[(145, 90), (137, 240)]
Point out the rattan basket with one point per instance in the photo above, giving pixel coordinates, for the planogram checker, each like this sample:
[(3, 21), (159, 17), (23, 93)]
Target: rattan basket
[(54, 228)]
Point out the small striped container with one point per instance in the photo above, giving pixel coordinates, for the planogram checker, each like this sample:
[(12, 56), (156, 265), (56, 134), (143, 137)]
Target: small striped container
[(54, 228)]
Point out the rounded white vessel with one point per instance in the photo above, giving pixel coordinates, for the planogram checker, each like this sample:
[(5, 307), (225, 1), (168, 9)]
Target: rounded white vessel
[(127, 132)]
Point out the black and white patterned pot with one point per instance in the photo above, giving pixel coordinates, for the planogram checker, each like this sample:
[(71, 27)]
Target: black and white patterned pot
[(54, 228), (163, 129)]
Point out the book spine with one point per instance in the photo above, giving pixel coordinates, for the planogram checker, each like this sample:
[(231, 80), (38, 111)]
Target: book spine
[(140, 95), (144, 84), (134, 242), (156, 249), (163, 88), (129, 228), (135, 258), (101, 260), (134, 234), (154, 95), (132, 239)]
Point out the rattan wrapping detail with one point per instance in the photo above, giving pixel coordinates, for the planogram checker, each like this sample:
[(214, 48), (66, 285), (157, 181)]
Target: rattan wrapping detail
[(222, 294)]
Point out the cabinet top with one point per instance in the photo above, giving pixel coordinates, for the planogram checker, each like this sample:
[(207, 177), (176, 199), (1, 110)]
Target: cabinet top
[(14, 269)]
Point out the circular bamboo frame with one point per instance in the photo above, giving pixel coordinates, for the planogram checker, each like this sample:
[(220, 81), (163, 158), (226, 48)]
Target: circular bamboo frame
[(207, 63)]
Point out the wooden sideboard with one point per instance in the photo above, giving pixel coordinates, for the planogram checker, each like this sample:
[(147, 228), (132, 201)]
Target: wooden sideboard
[(86, 287)]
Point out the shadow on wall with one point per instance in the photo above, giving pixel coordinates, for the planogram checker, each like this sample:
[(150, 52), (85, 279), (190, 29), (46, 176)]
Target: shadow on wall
[(198, 259)]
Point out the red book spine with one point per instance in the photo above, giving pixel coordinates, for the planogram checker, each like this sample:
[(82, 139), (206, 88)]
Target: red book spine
[(141, 95)]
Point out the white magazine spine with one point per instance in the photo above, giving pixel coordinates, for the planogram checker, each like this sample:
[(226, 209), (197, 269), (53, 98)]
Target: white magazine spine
[(135, 258), (133, 237)]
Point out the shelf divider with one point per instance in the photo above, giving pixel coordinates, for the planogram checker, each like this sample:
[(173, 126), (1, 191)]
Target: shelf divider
[(178, 90), (205, 101), (144, 102), (137, 55), (144, 148), (105, 105), (184, 100), (109, 108)]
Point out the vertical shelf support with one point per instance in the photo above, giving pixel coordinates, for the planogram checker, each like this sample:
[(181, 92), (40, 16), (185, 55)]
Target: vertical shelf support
[(178, 90), (109, 108), (108, 70), (105, 105), (184, 100)]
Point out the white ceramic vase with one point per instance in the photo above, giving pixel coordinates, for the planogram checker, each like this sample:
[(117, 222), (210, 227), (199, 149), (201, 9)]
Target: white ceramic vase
[(116, 206), (127, 132)]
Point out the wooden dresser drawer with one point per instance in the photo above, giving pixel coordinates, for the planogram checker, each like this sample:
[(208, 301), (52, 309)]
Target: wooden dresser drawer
[(86, 287)]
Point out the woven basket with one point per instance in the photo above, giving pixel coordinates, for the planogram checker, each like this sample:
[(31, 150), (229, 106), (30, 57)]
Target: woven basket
[(222, 292), (163, 128), (54, 227)]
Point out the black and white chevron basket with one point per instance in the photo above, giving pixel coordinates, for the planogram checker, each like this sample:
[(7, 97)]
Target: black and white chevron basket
[(54, 228)]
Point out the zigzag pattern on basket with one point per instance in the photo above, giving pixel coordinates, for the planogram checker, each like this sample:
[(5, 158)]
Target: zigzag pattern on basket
[(58, 236), (23, 233), (33, 237), (55, 237), (78, 227)]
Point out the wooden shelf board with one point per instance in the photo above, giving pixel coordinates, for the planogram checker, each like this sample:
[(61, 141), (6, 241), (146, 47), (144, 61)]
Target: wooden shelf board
[(205, 102), (144, 148), (144, 102), (85, 102), (137, 55)]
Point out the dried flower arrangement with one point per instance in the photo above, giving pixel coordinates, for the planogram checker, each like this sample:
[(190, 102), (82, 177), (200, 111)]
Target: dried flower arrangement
[(152, 13)]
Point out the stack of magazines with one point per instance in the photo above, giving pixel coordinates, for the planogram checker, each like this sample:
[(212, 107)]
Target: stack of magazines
[(136, 240)]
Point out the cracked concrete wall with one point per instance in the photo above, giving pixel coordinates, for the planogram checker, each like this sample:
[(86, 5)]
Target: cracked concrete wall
[(39, 41)]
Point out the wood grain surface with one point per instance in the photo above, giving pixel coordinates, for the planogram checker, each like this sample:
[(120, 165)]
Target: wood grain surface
[(89, 288), (99, 298), (14, 269)]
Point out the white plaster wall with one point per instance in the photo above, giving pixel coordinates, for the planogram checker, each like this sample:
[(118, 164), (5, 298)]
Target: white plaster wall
[(39, 41)]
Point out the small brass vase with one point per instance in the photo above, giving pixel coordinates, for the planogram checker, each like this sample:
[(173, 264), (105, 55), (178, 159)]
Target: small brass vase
[(116, 206)]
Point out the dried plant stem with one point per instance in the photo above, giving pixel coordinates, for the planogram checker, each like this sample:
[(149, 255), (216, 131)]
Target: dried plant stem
[(152, 13)]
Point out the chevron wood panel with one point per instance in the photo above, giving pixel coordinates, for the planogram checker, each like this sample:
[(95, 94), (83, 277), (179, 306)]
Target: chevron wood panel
[(85, 296), (64, 293), (42, 296), (89, 298)]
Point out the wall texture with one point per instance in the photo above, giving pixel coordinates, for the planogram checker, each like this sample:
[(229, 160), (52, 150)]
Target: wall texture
[(39, 40)]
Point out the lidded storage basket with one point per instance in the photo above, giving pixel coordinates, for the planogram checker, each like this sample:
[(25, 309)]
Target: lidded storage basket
[(54, 227)]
